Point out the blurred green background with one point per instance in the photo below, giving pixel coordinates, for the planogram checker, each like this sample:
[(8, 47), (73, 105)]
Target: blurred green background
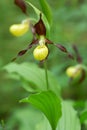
[(69, 27)]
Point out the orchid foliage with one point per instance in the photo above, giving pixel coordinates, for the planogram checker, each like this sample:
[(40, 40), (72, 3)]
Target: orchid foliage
[(43, 88)]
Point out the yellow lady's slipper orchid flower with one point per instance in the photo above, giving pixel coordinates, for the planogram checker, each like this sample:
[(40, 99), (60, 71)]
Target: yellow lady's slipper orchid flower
[(74, 71), (40, 52), (39, 38), (19, 29)]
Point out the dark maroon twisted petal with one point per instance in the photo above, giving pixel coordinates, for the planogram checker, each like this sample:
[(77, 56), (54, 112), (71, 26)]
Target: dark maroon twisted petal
[(39, 27), (22, 52), (21, 4)]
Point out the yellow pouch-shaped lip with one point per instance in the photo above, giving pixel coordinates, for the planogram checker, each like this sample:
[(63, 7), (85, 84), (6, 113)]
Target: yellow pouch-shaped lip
[(19, 29), (40, 52), (73, 71)]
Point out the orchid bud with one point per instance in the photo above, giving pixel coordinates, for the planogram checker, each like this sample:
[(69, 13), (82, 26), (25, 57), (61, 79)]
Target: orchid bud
[(40, 52), (19, 29)]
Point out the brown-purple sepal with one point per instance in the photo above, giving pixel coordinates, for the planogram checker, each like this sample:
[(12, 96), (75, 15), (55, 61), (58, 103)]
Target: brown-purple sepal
[(39, 27), (70, 56), (21, 4), (48, 41), (63, 49), (22, 52)]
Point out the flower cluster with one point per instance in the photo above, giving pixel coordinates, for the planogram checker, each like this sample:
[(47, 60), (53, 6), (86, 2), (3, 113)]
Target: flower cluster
[(39, 35), (41, 42)]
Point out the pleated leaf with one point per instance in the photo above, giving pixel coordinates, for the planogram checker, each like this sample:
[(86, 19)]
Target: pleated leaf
[(69, 119), (32, 77), (48, 103), (32, 119)]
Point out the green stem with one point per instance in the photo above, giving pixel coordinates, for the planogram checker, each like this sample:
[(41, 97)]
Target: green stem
[(46, 74)]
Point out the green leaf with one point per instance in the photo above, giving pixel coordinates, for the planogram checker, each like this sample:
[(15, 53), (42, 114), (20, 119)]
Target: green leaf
[(46, 10), (26, 117), (83, 116), (69, 119), (32, 77), (49, 104), (32, 119), (37, 11)]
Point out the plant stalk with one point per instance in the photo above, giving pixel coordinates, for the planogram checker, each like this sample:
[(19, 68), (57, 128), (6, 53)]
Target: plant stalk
[(46, 74)]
